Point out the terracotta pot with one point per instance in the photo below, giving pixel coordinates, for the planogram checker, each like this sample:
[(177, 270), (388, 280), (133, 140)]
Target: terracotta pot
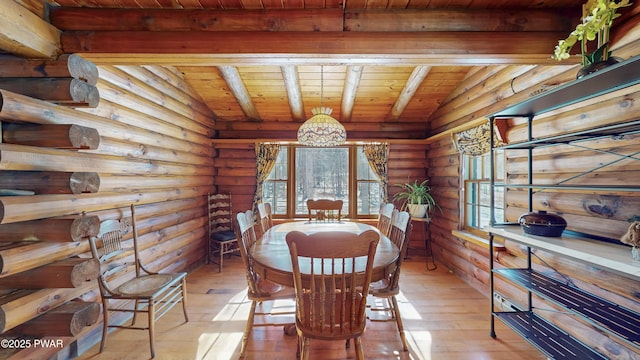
[(543, 224), (596, 66)]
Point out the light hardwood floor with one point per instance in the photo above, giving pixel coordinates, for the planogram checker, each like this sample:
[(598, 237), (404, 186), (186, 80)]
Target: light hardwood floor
[(445, 319)]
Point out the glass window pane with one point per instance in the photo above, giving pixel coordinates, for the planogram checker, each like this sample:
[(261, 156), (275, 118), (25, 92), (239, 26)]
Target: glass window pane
[(321, 173)]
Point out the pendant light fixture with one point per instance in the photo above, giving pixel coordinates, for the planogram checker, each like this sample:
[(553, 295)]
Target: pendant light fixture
[(321, 130)]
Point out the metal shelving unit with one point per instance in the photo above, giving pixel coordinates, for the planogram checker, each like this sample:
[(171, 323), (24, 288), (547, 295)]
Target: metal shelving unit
[(606, 316)]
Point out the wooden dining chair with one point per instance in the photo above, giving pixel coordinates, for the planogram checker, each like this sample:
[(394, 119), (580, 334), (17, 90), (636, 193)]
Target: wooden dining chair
[(389, 287), (259, 289), (324, 210), (384, 218), (266, 220), (142, 292), (331, 274), (222, 238)]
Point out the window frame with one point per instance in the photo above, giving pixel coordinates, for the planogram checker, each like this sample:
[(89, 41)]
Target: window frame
[(352, 186), (468, 167)]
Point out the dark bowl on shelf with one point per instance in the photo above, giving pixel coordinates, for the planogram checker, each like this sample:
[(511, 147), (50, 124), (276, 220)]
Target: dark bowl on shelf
[(543, 224)]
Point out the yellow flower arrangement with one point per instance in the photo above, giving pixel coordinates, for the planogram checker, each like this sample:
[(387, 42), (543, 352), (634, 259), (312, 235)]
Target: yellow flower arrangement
[(597, 17)]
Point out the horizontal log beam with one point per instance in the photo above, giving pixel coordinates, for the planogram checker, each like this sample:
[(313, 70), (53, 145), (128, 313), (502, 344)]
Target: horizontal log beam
[(311, 20), (18, 157), (62, 91), (84, 19), (25, 208), (52, 230), (60, 136), (66, 320), (67, 273), (66, 66), (50, 182), (219, 48), (26, 34), (16, 107), (21, 306)]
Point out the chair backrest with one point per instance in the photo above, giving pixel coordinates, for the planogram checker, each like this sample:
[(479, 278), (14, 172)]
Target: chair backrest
[(110, 246), (220, 213), (384, 217), (332, 273), (266, 221), (399, 234), (324, 209), (246, 235)]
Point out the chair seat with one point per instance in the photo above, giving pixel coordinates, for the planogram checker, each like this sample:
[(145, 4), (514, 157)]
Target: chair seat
[(226, 235), (269, 289), (382, 288), (147, 286)]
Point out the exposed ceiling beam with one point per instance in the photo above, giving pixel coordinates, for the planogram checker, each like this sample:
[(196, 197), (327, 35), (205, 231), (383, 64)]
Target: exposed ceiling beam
[(292, 84), (209, 48), (239, 91), (354, 73), (130, 19), (413, 83), (25, 34)]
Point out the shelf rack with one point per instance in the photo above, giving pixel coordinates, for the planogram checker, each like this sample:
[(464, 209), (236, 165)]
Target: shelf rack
[(618, 321)]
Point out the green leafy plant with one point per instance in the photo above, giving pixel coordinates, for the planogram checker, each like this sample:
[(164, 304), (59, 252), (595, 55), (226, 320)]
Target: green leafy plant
[(417, 194), (597, 18)]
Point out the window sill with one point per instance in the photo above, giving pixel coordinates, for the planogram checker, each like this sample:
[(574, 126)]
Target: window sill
[(478, 240)]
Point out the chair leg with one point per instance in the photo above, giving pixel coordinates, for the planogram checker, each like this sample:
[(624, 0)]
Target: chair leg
[(221, 253), (152, 321), (247, 329), (359, 352), (184, 300), (396, 312), (306, 344), (105, 323), (136, 304)]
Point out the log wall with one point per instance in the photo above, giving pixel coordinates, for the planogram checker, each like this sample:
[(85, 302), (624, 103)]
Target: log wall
[(600, 213), (153, 151)]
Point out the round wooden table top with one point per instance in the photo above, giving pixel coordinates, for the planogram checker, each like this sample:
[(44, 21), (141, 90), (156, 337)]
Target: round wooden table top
[(273, 262)]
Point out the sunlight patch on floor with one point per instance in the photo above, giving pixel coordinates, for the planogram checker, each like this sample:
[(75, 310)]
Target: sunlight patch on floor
[(218, 346), (419, 344)]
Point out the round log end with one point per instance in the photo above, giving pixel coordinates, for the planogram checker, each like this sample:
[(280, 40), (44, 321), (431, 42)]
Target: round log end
[(85, 272), (84, 227), (82, 137), (82, 69), (84, 182), (87, 316)]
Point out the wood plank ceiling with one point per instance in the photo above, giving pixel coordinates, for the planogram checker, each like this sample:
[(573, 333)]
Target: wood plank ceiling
[(384, 67)]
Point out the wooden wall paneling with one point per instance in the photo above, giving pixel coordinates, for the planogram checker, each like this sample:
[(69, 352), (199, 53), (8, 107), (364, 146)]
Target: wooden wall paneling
[(135, 183), (23, 208), (15, 107), (66, 273), (191, 100), (151, 101), (49, 182), (61, 91), (72, 228), (28, 158), (124, 148)]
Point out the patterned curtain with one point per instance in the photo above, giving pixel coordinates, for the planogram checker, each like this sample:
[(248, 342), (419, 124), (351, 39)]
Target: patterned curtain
[(475, 141), (266, 155), (377, 155)]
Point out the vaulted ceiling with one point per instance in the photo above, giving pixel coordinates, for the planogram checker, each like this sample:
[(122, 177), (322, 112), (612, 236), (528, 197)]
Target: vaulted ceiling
[(384, 67)]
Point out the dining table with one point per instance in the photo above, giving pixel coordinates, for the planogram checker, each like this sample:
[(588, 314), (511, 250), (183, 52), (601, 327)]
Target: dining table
[(273, 262)]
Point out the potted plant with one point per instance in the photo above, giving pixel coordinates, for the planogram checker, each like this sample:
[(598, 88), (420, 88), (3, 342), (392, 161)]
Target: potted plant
[(597, 18), (416, 198)]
